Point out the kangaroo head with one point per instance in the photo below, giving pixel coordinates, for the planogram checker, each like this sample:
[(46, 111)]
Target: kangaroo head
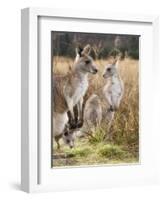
[(84, 62), (68, 137), (110, 69)]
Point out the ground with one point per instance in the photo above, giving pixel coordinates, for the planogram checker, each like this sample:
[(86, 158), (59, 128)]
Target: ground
[(85, 153)]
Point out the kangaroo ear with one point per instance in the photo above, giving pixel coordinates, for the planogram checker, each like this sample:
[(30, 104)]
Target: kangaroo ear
[(79, 50), (115, 63), (87, 49)]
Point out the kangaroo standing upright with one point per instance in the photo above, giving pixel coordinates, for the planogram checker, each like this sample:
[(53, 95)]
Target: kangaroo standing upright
[(69, 90), (113, 89)]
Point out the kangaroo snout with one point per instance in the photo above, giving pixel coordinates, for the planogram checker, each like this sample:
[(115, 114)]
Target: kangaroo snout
[(94, 68), (94, 71), (105, 76), (71, 144)]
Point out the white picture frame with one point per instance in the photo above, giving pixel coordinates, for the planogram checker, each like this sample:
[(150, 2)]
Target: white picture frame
[(36, 171)]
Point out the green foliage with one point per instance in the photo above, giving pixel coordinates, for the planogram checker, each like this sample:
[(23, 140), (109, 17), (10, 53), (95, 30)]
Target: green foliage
[(134, 54), (104, 52), (89, 154), (115, 52), (97, 136), (64, 44), (82, 152), (111, 152)]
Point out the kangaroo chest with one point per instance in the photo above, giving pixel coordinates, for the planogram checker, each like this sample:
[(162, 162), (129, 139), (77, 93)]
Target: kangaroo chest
[(113, 87), (80, 90)]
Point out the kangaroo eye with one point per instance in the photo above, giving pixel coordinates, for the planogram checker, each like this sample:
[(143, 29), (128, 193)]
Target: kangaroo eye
[(108, 69), (87, 61)]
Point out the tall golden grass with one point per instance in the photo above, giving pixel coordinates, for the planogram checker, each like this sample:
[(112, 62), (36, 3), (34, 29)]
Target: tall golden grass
[(125, 126)]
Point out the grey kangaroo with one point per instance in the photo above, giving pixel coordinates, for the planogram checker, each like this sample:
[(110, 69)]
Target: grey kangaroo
[(69, 90), (92, 115), (114, 88)]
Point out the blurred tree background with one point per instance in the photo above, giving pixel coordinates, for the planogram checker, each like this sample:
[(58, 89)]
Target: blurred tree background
[(64, 44)]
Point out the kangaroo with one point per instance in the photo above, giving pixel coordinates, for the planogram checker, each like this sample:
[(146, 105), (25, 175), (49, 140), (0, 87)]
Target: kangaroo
[(67, 136), (93, 111), (68, 90), (92, 115), (114, 88)]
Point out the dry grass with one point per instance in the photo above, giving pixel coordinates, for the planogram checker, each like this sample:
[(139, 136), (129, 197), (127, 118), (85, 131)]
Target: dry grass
[(124, 131)]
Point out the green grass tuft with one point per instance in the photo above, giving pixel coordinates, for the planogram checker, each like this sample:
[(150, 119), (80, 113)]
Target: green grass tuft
[(79, 152), (97, 136), (111, 151)]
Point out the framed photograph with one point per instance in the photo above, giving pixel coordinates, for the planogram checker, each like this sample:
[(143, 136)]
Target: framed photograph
[(89, 87)]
